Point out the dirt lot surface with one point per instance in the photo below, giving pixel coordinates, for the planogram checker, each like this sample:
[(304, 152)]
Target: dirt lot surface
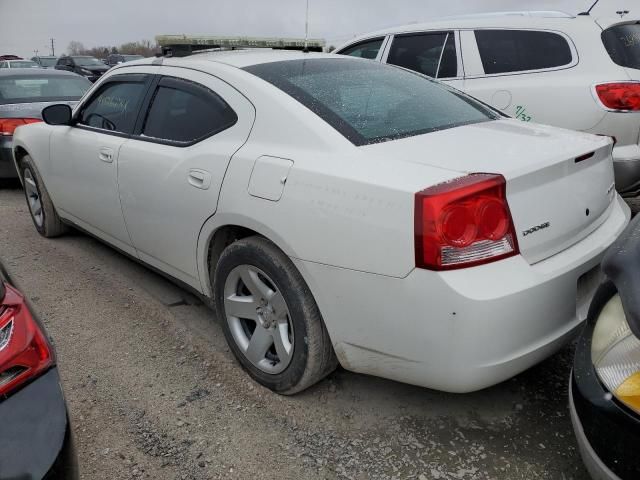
[(154, 392)]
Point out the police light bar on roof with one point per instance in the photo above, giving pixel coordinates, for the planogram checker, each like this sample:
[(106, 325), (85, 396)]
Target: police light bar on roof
[(180, 45)]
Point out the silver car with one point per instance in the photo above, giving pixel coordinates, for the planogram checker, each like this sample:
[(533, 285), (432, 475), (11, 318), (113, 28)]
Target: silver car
[(24, 92)]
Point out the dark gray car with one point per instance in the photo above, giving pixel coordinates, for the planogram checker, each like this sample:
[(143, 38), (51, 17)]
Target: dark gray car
[(23, 95)]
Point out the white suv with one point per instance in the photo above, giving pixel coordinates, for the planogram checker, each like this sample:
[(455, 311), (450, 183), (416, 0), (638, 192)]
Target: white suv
[(576, 72)]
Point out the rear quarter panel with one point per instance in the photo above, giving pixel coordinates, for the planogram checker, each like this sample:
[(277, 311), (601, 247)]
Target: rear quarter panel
[(340, 205)]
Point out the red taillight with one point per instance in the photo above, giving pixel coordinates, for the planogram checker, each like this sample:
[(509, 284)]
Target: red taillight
[(620, 95), (9, 125), (463, 223), (25, 351)]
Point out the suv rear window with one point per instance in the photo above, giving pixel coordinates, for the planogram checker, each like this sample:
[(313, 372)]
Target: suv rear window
[(623, 44), (506, 51), (369, 102)]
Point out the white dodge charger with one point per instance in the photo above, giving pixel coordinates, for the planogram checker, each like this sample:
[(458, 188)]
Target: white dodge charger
[(335, 210)]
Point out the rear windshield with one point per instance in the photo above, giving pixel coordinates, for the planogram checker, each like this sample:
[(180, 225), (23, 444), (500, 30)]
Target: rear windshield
[(41, 88), (369, 102), (623, 44), (24, 64)]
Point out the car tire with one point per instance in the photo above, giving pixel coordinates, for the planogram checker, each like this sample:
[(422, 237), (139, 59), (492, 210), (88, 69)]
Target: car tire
[(43, 213), (255, 274)]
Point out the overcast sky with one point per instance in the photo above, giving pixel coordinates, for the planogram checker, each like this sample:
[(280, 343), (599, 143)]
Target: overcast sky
[(28, 24)]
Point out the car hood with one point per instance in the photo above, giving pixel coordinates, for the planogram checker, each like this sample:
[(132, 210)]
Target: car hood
[(95, 68), (29, 110)]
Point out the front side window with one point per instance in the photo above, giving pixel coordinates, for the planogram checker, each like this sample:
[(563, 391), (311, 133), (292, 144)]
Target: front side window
[(432, 54), (505, 51), (368, 49), (623, 44), (369, 102), (114, 107), (185, 112), (3, 64)]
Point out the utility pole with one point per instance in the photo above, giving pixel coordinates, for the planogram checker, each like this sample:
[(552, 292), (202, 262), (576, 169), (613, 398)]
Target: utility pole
[(306, 30), (53, 48)]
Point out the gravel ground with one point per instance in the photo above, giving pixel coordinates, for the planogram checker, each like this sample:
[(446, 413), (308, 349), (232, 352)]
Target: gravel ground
[(154, 392)]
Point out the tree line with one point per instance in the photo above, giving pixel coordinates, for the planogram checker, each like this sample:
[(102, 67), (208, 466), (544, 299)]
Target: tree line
[(146, 48)]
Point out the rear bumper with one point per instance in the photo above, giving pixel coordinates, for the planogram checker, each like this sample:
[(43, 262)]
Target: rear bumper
[(7, 166), (464, 330), (35, 436)]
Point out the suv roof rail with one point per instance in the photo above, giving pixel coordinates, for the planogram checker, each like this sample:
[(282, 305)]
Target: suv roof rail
[(522, 13)]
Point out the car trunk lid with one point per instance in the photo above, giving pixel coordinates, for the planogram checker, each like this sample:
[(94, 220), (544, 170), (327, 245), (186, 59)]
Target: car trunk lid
[(560, 184)]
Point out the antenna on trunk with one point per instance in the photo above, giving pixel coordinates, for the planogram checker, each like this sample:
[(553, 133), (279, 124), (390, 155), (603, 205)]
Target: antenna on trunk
[(306, 31), (589, 11)]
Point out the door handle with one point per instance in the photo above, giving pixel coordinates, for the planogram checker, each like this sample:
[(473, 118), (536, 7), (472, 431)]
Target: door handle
[(199, 178), (106, 154)]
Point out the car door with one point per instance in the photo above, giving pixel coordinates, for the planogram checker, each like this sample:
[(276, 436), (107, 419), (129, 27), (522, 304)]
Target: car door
[(528, 75), (433, 53), (84, 157), (171, 171)]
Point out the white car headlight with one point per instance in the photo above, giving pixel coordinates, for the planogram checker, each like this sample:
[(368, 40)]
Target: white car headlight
[(615, 352)]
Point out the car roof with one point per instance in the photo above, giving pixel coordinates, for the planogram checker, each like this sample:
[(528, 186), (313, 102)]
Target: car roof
[(525, 19), (236, 58), (34, 72)]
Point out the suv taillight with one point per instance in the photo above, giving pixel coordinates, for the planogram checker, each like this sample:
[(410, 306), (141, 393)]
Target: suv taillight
[(9, 125), (25, 352), (463, 223), (620, 95)]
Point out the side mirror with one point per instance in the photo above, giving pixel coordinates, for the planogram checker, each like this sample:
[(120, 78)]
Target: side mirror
[(57, 114)]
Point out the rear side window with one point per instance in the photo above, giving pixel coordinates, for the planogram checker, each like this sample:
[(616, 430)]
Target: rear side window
[(185, 112), (623, 44), (504, 51), (370, 102), (368, 49), (432, 54), (114, 107)]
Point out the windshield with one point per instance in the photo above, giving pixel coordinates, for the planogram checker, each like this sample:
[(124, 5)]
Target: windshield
[(41, 88), (23, 64), (87, 61), (48, 62), (623, 44), (369, 102)]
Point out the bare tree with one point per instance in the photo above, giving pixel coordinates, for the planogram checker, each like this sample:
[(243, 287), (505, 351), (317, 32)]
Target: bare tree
[(75, 48), (145, 48)]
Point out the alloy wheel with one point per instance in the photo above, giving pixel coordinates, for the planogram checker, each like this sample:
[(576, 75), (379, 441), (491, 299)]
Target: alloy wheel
[(33, 198), (259, 319)]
